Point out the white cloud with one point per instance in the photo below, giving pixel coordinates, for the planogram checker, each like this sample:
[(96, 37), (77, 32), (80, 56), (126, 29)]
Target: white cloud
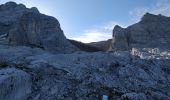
[(104, 32), (161, 7), (92, 36), (98, 33)]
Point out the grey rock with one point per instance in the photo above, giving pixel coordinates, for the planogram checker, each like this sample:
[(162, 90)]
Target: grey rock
[(134, 96), (85, 47), (28, 27), (28, 73), (102, 45), (86, 75), (152, 31), (120, 40), (15, 84)]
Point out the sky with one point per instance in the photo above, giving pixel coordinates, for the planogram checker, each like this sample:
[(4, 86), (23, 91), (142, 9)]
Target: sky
[(93, 20)]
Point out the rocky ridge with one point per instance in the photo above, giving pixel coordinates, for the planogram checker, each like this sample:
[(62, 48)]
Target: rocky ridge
[(102, 45), (153, 31)]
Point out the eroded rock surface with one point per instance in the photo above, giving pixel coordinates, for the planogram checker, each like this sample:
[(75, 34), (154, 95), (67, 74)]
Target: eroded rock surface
[(89, 75), (14, 84)]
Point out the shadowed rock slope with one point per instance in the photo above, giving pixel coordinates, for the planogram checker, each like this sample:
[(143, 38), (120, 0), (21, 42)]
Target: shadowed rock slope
[(102, 45), (84, 46)]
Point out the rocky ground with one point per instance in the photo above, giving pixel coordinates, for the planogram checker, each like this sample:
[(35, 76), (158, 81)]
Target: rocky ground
[(37, 62), (33, 74)]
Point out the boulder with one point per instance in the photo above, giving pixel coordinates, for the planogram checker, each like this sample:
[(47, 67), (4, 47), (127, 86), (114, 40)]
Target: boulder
[(15, 84), (134, 96)]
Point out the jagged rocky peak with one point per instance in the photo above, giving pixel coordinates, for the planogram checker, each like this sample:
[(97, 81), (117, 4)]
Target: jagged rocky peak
[(153, 31), (35, 9), (117, 29), (119, 40), (26, 26), (148, 17), (14, 6), (8, 6)]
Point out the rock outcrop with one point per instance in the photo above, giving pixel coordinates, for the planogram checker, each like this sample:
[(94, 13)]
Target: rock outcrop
[(23, 26), (153, 31)]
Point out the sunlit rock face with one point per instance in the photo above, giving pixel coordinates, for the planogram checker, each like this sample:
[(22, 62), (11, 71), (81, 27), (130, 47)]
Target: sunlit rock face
[(153, 31), (24, 26)]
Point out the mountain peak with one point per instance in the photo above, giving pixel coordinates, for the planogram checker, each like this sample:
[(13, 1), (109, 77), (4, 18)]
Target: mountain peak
[(8, 6), (151, 17), (10, 3)]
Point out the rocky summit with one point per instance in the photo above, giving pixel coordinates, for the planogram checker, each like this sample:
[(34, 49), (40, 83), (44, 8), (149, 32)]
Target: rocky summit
[(153, 31), (37, 62), (21, 26)]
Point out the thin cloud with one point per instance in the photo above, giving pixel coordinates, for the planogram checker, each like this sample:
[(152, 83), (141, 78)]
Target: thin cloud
[(161, 7), (98, 33), (92, 36)]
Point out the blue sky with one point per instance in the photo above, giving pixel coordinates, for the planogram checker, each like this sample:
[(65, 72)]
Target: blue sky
[(94, 20)]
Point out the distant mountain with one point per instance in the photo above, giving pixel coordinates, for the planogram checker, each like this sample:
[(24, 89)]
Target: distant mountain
[(85, 47), (102, 45), (153, 31)]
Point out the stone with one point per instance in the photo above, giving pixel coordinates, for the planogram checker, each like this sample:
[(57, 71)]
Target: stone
[(102, 45), (85, 75), (152, 31), (28, 27), (84, 46), (15, 84), (28, 71), (134, 96)]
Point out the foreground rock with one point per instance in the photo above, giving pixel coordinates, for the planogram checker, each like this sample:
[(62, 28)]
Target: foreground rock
[(23, 26), (14, 84), (87, 75)]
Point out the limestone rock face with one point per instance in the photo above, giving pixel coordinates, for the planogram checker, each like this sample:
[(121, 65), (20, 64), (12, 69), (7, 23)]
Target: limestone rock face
[(24, 26), (119, 40), (152, 31)]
